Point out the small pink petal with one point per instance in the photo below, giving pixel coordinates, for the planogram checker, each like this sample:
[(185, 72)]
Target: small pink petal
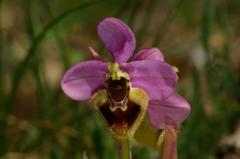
[(80, 81), (94, 54), (118, 38), (148, 54), (174, 107)]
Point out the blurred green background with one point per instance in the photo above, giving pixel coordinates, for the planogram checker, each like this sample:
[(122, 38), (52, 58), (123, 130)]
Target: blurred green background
[(41, 39)]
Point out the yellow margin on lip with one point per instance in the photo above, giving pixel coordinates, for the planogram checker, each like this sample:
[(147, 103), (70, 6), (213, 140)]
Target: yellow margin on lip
[(137, 96)]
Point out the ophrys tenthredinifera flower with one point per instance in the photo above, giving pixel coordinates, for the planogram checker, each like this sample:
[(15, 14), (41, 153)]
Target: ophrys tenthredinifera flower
[(131, 85)]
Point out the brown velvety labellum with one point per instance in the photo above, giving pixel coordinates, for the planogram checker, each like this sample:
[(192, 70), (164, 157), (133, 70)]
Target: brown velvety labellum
[(119, 111), (119, 118)]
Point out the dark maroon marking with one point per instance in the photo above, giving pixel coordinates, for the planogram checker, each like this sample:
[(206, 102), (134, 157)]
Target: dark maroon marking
[(117, 89), (120, 117)]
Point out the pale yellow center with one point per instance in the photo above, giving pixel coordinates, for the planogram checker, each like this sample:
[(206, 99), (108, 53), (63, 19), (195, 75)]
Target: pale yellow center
[(115, 72)]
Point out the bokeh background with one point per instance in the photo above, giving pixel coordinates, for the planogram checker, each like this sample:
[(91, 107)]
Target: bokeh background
[(41, 39)]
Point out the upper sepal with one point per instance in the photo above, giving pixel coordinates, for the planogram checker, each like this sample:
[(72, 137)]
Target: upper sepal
[(118, 38)]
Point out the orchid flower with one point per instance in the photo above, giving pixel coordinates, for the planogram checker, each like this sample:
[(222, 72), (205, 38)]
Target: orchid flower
[(134, 92)]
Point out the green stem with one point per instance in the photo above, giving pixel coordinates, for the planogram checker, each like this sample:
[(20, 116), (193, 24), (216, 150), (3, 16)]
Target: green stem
[(125, 150)]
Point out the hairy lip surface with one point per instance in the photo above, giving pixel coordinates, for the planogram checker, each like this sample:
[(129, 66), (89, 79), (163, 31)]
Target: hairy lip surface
[(119, 118), (119, 112)]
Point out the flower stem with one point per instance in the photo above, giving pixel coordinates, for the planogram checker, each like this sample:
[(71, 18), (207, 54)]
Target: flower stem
[(124, 149)]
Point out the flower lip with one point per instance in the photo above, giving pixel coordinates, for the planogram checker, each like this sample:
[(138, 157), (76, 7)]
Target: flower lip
[(122, 123), (119, 112), (118, 118)]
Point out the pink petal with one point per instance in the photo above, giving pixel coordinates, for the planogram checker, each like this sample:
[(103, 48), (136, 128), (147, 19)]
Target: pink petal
[(148, 54), (118, 38), (157, 78), (80, 81), (174, 107)]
